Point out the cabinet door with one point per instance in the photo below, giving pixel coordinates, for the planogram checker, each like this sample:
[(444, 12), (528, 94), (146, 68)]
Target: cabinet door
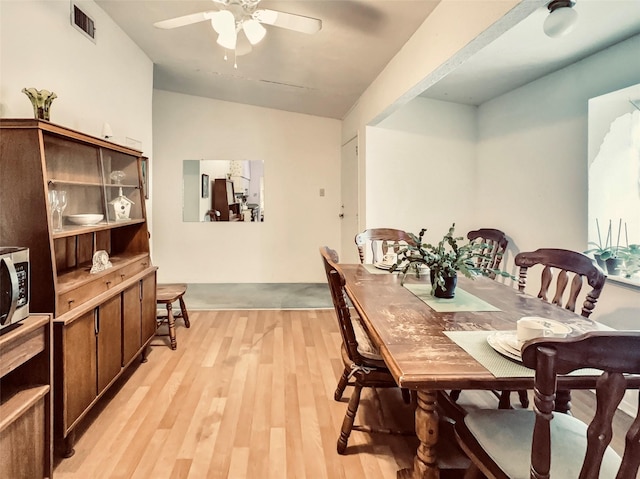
[(122, 185), (149, 324), (109, 341), (131, 322), (79, 362)]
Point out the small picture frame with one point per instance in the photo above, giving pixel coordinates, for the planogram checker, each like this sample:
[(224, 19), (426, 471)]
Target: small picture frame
[(144, 166), (205, 186)]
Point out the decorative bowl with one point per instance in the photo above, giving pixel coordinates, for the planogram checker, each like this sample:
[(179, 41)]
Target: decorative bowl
[(85, 219)]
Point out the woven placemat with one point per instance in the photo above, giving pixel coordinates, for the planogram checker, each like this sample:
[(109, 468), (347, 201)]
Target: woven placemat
[(476, 345), (373, 270), (462, 301)]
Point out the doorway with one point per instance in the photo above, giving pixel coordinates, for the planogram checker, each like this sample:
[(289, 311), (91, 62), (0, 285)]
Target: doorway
[(349, 195)]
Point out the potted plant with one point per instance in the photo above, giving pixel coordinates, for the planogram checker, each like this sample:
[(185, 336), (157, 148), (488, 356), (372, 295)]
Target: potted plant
[(601, 253), (632, 260), (444, 260)]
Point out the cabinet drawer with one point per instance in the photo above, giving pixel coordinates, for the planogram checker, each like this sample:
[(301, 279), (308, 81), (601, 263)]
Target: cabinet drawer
[(105, 281)]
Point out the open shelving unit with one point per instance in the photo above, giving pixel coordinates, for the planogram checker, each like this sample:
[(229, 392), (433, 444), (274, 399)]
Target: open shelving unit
[(25, 400)]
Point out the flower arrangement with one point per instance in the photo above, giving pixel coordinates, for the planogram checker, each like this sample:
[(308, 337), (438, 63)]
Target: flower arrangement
[(446, 258)]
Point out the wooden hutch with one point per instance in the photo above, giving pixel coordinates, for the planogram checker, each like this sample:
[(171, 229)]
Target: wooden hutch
[(101, 321), (224, 201)]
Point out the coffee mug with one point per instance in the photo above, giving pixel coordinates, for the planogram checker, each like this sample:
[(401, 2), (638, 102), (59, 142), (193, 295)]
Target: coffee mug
[(390, 258), (530, 327)]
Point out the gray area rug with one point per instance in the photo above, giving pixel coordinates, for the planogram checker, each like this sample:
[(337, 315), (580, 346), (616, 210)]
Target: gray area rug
[(211, 296)]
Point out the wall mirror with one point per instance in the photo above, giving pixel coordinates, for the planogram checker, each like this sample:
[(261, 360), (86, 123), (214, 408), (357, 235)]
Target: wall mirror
[(614, 182), (223, 190)]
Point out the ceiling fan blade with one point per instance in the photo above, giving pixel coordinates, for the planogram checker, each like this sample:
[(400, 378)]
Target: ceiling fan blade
[(184, 20), (289, 21)]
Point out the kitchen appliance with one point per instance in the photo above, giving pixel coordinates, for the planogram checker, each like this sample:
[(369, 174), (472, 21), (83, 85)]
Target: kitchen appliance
[(14, 285)]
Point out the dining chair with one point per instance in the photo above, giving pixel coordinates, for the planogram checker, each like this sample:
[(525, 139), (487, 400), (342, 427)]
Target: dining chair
[(565, 263), (380, 241), (494, 245), (363, 364), (523, 443)]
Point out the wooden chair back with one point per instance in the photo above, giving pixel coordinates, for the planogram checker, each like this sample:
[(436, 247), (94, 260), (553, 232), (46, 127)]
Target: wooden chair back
[(565, 261), (336, 281), (495, 244), (381, 241), (616, 354)]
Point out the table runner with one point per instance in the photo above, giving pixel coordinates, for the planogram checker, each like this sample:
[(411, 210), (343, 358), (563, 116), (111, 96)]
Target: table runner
[(476, 345), (462, 301)]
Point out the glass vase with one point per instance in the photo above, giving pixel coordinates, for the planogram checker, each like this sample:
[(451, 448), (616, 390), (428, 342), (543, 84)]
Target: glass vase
[(41, 101)]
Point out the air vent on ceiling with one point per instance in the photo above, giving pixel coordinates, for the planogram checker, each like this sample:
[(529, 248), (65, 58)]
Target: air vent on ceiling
[(83, 22)]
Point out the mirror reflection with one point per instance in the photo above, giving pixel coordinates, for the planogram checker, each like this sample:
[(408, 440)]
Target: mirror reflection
[(223, 190)]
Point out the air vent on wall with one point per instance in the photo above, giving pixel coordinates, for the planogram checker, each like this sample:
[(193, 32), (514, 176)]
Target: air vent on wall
[(83, 22)]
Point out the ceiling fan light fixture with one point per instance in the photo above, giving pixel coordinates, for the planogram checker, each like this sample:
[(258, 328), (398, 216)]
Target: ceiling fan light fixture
[(561, 19), (254, 31), (223, 22), (228, 40)]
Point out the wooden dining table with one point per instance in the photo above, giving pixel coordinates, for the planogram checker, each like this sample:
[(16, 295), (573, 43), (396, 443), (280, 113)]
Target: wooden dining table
[(413, 340)]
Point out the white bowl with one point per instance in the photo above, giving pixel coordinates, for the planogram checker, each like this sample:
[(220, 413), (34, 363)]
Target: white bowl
[(85, 219)]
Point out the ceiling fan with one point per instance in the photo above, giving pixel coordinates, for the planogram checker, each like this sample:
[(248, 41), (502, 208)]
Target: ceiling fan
[(238, 23)]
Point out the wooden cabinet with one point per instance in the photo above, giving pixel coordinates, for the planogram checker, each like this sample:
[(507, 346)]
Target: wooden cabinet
[(25, 400), (138, 317), (99, 328)]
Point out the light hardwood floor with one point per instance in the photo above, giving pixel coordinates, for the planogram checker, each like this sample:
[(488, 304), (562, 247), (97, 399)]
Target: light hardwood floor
[(247, 394)]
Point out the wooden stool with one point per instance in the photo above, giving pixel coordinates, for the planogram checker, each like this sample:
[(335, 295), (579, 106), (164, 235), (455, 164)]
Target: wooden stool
[(168, 294)]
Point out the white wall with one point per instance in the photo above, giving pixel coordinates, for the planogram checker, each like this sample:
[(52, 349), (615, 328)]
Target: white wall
[(421, 169), (301, 154), (110, 80), (532, 162), (454, 31)]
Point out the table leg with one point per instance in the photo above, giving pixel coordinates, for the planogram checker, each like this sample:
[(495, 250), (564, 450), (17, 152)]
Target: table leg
[(425, 464)]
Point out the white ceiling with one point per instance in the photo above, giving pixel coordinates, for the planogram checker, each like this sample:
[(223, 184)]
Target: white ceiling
[(324, 74), (524, 53)]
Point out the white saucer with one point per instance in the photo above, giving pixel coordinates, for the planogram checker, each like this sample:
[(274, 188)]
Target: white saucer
[(384, 266), (509, 340), (501, 342)]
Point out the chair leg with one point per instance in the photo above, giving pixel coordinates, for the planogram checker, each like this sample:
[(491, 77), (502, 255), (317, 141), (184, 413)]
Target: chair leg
[(504, 401), (563, 401), (342, 384), (406, 395), (185, 314), (524, 398), (349, 417)]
